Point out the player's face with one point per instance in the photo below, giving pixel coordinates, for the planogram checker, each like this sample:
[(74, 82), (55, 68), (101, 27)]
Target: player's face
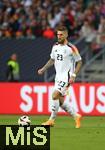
[(61, 35)]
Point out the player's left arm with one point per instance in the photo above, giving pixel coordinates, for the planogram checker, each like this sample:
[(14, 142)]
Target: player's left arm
[(77, 69), (78, 60)]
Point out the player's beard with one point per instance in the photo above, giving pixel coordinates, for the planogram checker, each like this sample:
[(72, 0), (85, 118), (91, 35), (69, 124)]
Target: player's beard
[(61, 41)]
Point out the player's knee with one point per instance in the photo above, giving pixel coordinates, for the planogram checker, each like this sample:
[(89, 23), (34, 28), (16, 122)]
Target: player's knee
[(55, 95)]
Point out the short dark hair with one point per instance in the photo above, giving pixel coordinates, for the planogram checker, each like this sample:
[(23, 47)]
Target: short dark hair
[(62, 28)]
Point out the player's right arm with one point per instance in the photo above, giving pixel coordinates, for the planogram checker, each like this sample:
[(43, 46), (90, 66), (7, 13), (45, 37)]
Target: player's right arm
[(46, 66)]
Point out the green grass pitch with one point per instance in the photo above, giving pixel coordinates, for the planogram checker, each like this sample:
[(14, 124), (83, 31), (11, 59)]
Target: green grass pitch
[(64, 136)]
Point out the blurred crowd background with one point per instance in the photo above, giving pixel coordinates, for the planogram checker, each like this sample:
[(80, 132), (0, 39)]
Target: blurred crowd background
[(37, 21), (35, 18)]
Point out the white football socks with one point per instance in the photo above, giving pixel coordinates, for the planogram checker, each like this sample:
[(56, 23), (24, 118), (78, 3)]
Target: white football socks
[(55, 107), (66, 106)]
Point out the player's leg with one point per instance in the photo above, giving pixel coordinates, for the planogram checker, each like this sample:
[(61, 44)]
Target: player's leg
[(55, 106), (66, 106)]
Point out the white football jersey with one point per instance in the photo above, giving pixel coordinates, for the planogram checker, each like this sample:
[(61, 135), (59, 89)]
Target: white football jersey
[(65, 57)]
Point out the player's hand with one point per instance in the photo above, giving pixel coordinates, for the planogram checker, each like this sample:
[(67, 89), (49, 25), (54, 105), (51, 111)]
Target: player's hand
[(41, 71), (72, 80)]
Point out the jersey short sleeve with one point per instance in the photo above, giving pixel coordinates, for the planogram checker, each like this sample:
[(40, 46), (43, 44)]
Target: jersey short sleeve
[(76, 54), (52, 53)]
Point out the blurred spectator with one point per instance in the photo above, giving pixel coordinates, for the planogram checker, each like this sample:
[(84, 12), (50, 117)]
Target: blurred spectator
[(48, 33), (97, 15), (19, 34), (29, 18), (88, 32), (101, 31), (55, 16), (29, 34), (13, 69)]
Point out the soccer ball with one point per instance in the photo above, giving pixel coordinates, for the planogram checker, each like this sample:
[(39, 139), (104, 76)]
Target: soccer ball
[(24, 121)]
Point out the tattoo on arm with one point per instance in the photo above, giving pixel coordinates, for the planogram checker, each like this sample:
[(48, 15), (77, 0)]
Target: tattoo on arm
[(48, 64), (78, 67)]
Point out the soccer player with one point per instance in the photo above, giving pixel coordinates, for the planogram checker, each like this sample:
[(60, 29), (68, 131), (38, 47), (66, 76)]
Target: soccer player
[(67, 62)]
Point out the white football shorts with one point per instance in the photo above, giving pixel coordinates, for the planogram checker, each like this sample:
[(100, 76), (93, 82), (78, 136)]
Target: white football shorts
[(61, 86)]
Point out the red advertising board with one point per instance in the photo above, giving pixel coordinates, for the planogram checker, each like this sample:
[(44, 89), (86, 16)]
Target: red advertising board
[(35, 98)]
